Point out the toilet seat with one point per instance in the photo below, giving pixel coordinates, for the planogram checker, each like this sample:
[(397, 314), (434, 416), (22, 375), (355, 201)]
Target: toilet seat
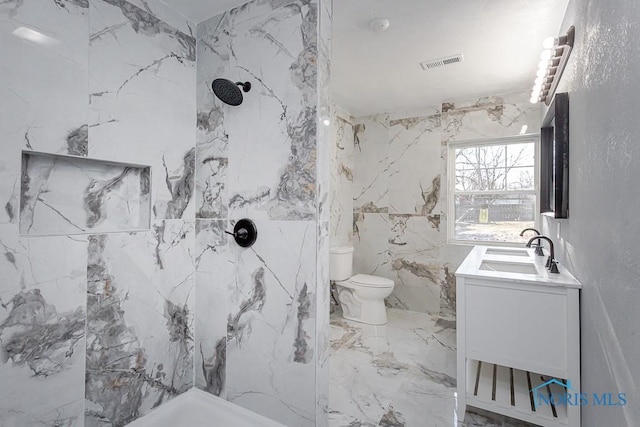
[(368, 281)]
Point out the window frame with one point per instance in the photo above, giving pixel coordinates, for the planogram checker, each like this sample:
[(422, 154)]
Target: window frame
[(451, 183)]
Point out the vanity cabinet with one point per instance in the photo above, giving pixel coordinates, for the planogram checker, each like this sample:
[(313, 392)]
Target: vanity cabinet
[(518, 338)]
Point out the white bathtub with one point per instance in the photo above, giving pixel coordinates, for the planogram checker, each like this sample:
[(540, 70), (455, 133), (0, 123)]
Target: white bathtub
[(197, 408)]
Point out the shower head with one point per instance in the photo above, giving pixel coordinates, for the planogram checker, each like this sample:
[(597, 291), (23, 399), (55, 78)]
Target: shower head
[(228, 91)]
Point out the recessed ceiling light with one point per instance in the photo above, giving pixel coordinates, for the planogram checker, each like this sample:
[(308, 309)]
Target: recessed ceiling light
[(34, 36)]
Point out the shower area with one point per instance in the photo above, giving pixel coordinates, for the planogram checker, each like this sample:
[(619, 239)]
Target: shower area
[(122, 175)]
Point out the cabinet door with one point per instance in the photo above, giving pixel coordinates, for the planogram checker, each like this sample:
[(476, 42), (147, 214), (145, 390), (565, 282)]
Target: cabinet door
[(520, 328)]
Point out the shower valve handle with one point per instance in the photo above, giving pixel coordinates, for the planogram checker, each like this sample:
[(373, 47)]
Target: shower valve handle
[(245, 233)]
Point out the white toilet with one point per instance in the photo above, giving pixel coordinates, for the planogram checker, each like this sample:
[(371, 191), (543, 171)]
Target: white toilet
[(361, 296)]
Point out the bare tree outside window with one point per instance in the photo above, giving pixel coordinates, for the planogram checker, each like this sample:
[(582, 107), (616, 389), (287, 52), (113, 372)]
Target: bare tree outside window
[(494, 191)]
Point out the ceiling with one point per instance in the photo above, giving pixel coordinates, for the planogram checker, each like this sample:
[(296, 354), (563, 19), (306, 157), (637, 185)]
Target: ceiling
[(500, 40)]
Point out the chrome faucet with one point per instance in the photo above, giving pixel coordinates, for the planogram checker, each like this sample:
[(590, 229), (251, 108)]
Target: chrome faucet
[(538, 246), (551, 264)]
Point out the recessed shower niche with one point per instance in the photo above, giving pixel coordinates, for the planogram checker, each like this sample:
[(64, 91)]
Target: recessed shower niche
[(62, 194)]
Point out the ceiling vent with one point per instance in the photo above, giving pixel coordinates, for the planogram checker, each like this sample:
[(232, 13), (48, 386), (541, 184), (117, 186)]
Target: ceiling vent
[(441, 62)]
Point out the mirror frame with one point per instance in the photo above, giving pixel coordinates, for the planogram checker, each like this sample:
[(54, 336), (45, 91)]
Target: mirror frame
[(554, 159)]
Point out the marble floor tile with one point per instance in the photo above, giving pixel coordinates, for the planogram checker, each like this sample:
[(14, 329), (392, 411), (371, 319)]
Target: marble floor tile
[(401, 374)]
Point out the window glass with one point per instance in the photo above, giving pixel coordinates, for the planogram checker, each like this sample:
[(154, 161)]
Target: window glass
[(494, 191)]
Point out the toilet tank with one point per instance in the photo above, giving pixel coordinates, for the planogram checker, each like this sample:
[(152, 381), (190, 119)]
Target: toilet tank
[(340, 263)]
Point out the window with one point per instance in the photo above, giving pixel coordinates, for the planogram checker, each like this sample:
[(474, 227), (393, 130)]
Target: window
[(492, 189)]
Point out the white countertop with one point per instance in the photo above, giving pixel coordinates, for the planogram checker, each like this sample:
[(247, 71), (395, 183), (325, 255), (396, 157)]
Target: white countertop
[(470, 267)]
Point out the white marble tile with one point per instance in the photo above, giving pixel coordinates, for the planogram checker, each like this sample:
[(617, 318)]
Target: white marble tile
[(45, 87), (359, 388), (415, 235), (66, 195), (214, 274), (450, 257), (324, 132), (343, 123), (339, 419), (404, 113), (139, 321), (410, 340), (371, 244), (271, 323), (341, 185), (421, 401), (399, 374), (163, 12), (370, 365), (42, 333), (489, 117), (414, 245), (415, 165), (371, 164), (142, 100), (272, 171), (322, 311), (211, 135)]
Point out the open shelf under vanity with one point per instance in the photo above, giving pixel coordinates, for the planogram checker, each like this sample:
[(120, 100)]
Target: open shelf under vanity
[(507, 391)]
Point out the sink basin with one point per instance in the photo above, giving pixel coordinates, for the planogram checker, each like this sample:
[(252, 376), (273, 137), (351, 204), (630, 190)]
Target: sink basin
[(509, 267), (507, 251)]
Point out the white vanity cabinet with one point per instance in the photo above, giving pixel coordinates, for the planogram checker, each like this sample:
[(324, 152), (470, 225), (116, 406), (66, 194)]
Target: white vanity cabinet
[(518, 328)]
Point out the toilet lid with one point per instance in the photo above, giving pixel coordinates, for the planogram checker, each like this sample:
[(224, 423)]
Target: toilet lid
[(371, 281)]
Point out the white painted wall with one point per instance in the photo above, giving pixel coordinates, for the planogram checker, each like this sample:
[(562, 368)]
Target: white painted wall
[(599, 240)]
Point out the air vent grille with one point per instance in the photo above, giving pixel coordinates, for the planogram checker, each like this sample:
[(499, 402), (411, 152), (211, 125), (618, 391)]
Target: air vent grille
[(441, 62)]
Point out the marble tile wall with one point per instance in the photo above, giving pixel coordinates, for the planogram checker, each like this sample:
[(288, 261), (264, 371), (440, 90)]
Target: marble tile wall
[(262, 312), (116, 84), (132, 318), (396, 178)]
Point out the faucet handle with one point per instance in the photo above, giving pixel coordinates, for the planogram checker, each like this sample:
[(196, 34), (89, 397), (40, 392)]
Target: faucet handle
[(549, 262), (553, 268)]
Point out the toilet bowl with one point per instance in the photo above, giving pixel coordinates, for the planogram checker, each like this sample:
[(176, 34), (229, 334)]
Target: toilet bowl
[(361, 297)]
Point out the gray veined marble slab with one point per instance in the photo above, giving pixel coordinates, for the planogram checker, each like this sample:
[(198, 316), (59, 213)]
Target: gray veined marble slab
[(140, 305), (42, 333), (74, 195), (341, 168), (142, 99), (371, 169), (214, 273), (322, 324), (271, 331), (415, 165), (272, 174)]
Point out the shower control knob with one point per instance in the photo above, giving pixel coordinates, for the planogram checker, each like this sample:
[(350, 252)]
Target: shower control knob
[(245, 233)]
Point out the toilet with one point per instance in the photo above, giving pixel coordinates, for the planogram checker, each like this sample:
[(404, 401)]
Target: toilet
[(361, 296)]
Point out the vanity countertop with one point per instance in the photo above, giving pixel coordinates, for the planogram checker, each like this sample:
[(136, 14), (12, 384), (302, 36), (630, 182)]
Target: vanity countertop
[(472, 266)]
